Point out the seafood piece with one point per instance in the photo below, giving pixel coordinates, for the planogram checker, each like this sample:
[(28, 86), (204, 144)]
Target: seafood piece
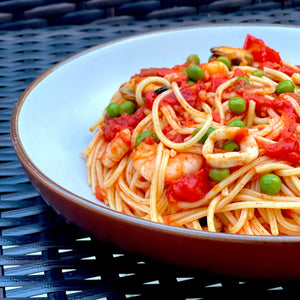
[(127, 90), (132, 88), (144, 159), (260, 130), (183, 164), (117, 148), (215, 67), (238, 56), (180, 164), (248, 148)]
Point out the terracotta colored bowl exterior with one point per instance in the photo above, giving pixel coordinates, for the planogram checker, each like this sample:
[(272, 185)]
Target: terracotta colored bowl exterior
[(238, 255), (245, 256)]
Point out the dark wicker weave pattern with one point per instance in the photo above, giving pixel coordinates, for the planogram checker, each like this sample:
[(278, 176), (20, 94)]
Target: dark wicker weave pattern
[(43, 256), (20, 14)]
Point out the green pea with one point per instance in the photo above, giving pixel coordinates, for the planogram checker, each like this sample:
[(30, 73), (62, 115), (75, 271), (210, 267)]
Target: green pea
[(113, 110), (285, 86), (194, 72), (142, 136), (225, 60), (237, 123), (191, 82), (205, 136), (127, 107), (270, 184), (231, 146), (242, 78), (237, 105), (193, 58), (258, 73), (218, 174)]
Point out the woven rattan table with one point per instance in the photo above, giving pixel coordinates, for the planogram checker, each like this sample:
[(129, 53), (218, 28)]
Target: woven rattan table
[(43, 256)]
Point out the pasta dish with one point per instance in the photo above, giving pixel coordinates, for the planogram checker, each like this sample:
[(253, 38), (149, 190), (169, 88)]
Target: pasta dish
[(205, 145)]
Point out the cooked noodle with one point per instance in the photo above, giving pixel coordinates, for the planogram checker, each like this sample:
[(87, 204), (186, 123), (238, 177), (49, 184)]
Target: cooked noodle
[(155, 163)]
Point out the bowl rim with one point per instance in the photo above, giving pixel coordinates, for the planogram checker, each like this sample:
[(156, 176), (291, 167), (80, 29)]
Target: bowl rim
[(29, 165)]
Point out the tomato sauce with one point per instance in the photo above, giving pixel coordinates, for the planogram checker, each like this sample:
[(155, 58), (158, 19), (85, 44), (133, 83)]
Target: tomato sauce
[(100, 193), (287, 144), (173, 135), (241, 134), (278, 104), (190, 94), (154, 72), (112, 126), (282, 68), (216, 82), (150, 96), (189, 188), (150, 140), (146, 72), (287, 147), (216, 116), (238, 72)]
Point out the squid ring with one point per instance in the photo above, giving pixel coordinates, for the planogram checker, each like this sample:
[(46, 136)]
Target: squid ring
[(248, 148)]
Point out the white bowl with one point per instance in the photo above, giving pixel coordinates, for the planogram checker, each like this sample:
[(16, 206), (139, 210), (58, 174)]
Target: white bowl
[(50, 126)]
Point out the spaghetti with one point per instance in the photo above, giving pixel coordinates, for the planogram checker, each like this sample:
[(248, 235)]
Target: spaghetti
[(209, 146)]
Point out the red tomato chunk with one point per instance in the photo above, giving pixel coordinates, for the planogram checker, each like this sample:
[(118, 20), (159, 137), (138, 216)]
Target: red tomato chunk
[(189, 188), (112, 126)]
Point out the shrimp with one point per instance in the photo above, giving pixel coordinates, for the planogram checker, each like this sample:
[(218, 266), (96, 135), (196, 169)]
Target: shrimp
[(117, 148), (215, 67), (238, 56), (248, 148), (144, 160), (183, 164), (180, 164)]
